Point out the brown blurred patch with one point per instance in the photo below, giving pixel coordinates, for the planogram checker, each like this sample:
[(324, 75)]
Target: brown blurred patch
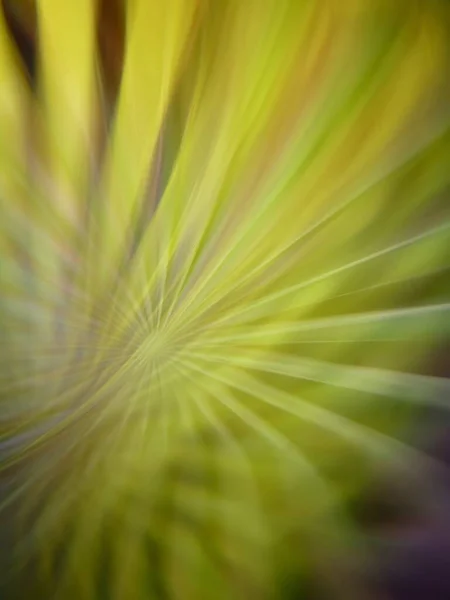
[(111, 41), (20, 17)]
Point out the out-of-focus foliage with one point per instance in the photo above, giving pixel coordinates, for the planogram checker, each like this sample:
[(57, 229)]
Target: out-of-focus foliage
[(224, 246)]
